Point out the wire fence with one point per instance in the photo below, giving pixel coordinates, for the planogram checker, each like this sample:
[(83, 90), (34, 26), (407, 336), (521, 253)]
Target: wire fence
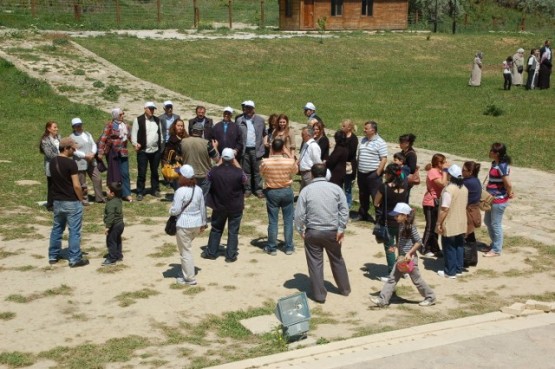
[(137, 14), (211, 14)]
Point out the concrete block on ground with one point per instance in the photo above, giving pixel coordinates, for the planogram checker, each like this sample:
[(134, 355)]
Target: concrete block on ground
[(515, 309), (527, 312), (539, 305), (261, 324)]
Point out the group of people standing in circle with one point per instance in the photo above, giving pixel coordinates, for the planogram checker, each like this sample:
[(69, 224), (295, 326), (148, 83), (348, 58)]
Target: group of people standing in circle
[(538, 66)]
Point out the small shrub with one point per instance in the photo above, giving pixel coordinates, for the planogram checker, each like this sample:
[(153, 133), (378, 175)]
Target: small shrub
[(79, 72), (16, 359), (111, 93), (98, 84), (493, 110), (7, 315)]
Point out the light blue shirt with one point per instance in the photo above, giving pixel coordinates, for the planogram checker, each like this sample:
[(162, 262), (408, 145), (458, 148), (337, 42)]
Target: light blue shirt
[(251, 135)]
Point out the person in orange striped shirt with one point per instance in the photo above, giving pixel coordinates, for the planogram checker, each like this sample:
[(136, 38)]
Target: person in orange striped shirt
[(277, 171)]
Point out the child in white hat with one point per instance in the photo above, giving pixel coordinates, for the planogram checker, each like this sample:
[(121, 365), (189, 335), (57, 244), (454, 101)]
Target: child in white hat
[(409, 243)]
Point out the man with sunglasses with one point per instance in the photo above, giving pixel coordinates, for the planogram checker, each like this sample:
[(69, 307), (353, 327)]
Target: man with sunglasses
[(146, 137)]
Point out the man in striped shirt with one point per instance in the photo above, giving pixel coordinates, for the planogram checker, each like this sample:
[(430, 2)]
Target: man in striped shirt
[(321, 218), (277, 171), (372, 157)]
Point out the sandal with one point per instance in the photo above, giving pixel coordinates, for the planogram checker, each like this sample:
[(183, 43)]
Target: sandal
[(491, 254)]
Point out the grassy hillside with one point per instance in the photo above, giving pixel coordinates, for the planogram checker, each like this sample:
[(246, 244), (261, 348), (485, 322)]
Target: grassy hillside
[(408, 83)]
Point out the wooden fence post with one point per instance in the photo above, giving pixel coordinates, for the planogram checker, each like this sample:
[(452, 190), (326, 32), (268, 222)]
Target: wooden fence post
[(230, 14), (261, 13), (158, 18), (34, 8), (77, 11), (118, 13)]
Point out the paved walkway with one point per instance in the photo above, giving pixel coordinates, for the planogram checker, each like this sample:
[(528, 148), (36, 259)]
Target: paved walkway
[(494, 340)]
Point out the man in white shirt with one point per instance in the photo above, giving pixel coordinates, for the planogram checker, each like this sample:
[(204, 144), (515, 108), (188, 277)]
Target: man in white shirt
[(372, 158), (146, 136), (310, 155)]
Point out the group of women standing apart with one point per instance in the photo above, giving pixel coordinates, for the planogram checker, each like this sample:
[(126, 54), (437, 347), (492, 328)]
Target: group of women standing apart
[(440, 175)]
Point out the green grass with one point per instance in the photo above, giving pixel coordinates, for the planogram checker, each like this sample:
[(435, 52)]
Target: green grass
[(128, 298), (420, 89), (63, 290), (7, 315), (16, 359)]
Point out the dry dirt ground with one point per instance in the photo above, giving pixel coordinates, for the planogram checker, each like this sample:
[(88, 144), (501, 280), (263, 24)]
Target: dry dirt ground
[(88, 311)]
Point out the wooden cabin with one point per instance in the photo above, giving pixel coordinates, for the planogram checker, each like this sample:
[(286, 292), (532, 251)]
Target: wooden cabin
[(303, 15)]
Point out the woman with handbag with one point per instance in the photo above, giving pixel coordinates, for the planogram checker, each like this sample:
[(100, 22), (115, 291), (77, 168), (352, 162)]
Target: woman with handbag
[(390, 193), (500, 187), (189, 209), (173, 157), (436, 179), (470, 172)]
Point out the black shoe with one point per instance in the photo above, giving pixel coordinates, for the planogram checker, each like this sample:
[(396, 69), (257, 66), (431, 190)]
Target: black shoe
[(54, 260), (205, 255), (108, 262), (360, 218), (231, 260), (156, 194), (79, 263), (139, 197)]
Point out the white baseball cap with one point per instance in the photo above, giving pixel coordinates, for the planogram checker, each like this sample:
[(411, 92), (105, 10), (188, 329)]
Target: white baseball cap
[(150, 104), (248, 103), (400, 208), (455, 171), (228, 154), (187, 171), (228, 109), (167, 102), (309, 106), (76, 121)]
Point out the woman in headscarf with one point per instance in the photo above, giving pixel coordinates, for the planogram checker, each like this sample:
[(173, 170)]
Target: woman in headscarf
[(113, 145), (533, 68), (518, 67), (337, 161), (476, 75)]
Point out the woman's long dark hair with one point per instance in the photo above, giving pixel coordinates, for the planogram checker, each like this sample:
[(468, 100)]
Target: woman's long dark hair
[(409, 138), (501, 150), (396, 176), (472, 167)]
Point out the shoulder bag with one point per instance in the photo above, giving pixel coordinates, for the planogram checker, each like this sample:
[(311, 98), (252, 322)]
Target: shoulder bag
[(171, 224), (414, 178), (486, 199), (380, 231)]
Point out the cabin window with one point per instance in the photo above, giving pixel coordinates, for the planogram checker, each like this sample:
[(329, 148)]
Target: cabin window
[(288, 8), (368, 7), (336, 8)]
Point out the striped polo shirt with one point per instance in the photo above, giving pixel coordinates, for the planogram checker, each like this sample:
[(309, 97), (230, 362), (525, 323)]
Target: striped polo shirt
[(370, 152), (277, 171)]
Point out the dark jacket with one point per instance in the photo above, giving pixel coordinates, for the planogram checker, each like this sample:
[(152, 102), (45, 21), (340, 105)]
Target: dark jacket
[(226, 188), (336, 163), (141, 133), (208, 124), (232, 139)]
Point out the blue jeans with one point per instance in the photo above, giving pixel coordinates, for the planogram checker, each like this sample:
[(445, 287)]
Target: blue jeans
[(219, 218), (348, 187), (251, 166), (453, 254), (68, 213), (153, 161), (276, 199), (125, 181), (494, 221)]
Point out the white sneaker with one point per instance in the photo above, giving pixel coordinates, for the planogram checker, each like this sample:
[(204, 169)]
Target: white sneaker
[(429, 254), (183, 281), (377, 301), (427, 302), (406, 275), (384, 279), (441, 273)]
